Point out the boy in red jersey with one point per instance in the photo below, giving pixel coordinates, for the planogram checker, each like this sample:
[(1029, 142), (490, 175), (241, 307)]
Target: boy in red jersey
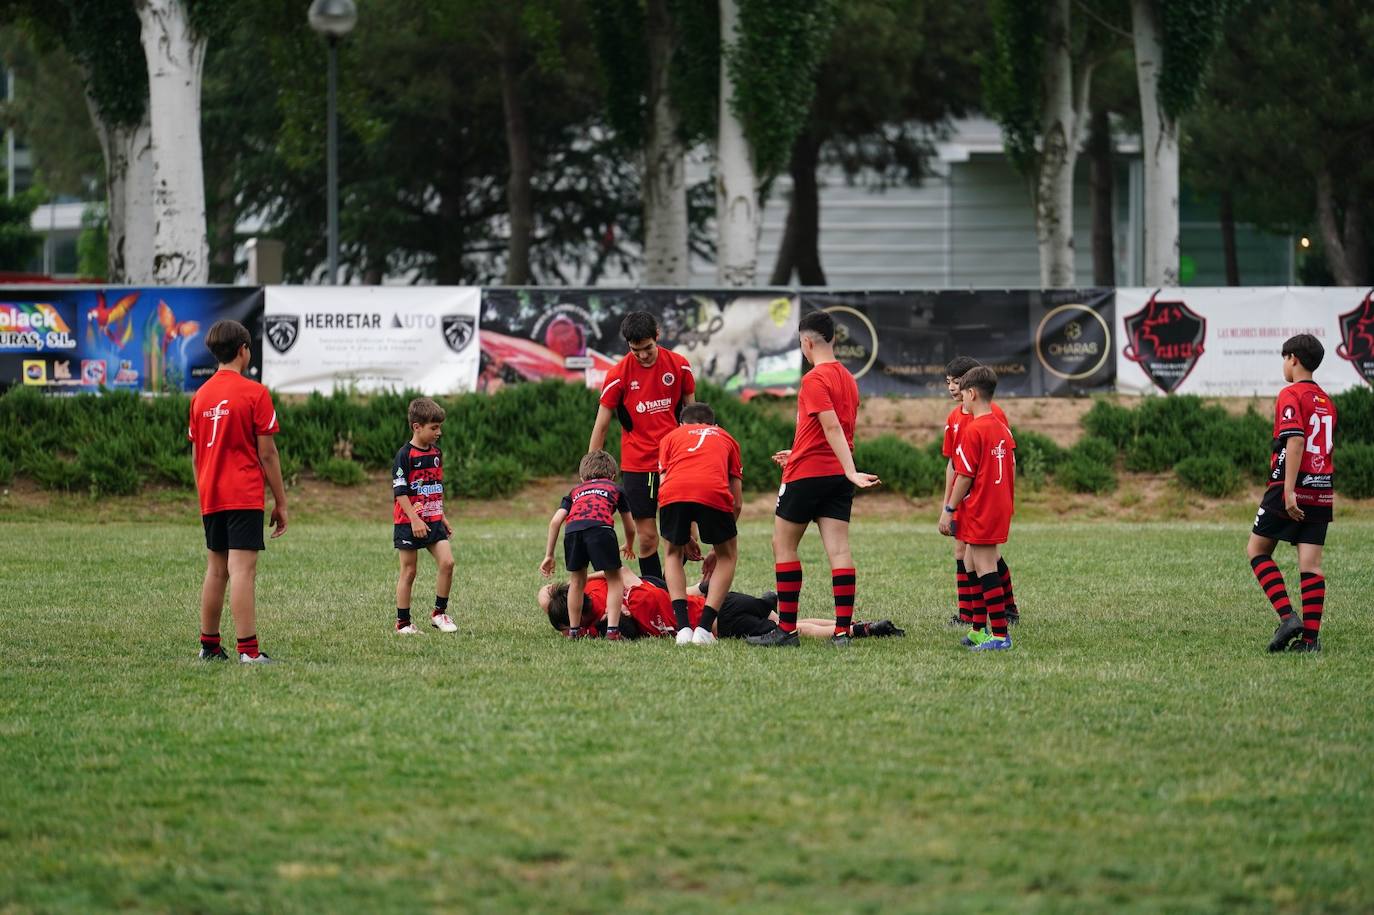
[(590, 510), (418, 522), (647, 391), (1297, 504), (967, 588), (983, 494), (700, 473), (818, 480), (231, 427)]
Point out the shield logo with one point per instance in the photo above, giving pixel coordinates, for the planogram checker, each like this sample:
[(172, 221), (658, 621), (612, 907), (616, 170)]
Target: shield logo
[(1357, 338), (459, 331), (1165, 339), (283, 331)]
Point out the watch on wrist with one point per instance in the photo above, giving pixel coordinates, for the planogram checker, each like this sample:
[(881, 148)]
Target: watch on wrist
[(950, 509)]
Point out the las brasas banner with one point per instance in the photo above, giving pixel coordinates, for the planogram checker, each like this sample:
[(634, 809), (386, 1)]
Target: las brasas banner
[(83, 339), (371, 338), (1225, 342)]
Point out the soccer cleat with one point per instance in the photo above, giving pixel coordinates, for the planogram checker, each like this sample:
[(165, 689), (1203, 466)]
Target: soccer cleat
[(975, 637), (1304, 646), (613, 635), (1287, 631), (702, 636), (1013, 616), (684, 636), (260, 659), (993, 644), (839, 640), (879, 629), (406, 628), (443, 623), (216, 655), (572, 633), (775, 638), (956, 622)]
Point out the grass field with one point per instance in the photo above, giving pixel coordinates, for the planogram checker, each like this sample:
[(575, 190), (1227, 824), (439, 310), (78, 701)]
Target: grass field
[(1137, 751)]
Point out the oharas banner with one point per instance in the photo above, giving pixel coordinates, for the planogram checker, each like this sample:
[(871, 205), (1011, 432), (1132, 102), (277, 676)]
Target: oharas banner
[(69, 340), (371, 338), (1227, 341)]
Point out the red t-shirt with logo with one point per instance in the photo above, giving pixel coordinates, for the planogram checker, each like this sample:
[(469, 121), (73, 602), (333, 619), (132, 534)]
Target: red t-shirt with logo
[(1304, 409), (986, 452), (828, 386), (697, 462), (958, 418), (647, 401), (228, 414), (418, 473), (649, 605)]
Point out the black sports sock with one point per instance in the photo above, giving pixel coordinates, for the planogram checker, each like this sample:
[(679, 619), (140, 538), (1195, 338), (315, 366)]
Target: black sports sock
[(650, 565), (209, 641), (708, 617), (440, 603), (403, 615), (680, 614)]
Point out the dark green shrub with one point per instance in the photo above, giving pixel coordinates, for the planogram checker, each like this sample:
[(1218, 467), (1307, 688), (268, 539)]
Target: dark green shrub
[(1094, 449), (109, 469), (902, 467), (1151, 454), (1355, 416), (6, 470), (1355, 468), (1210, 475), (1081, 472), (488, 478), (1116, 424), (175, 469), (1036, 456), (341, 472)]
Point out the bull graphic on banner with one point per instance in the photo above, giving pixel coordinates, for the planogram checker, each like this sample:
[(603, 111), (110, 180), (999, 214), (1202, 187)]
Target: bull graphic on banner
[(1357, 338), (1165, 338)]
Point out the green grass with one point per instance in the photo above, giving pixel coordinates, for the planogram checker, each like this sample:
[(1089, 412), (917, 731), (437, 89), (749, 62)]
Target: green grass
[(1137, 751)]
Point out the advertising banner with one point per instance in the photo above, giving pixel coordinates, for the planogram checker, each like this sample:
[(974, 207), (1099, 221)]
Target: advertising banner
[(371, 338), (1226, 342), (70, 340), (1039, 341), (743, 340)]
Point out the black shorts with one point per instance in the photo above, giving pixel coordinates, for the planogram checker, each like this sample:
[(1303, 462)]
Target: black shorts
[(239, 529), (595, 545), (713, 525), (742, 615), (403, 537), (1272, 521), (641, 491), (803, 501)]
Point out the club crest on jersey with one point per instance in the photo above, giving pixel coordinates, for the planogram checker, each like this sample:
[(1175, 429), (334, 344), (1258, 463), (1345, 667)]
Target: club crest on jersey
[(459, 331), (669, 378), (1287, 412), (283, 331), (1357, 338), (1165, 338)]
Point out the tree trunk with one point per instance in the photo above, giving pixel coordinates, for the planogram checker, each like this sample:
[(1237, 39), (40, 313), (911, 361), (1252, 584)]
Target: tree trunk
[(737, 192), (1160, 151), (128, 197), (1059, 150), (175, 55), (1344, 249), (800, 248), (1228, 239), (519, 198), (665, 179), (1102, 179)]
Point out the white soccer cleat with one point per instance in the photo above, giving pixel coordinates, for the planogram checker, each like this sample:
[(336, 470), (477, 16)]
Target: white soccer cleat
[(407, 629), (441, 622), (684, 636), (702, 637)]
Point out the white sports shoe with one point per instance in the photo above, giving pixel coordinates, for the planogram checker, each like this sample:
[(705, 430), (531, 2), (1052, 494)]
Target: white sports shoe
[(702, 636), (441, 622), (684, 636), (260, 659), (407, 629)]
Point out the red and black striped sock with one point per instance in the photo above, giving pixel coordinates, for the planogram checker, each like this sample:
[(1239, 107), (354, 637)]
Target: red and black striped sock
[(842, 583), (209, 641), (789, 578), (1009, 598), (249, 646), (977, 609), (1271, 581), (993, 600), (1313, 599), (965, 589)]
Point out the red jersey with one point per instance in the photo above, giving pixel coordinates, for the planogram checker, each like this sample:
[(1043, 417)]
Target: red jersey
[(957, 418), (697, 463), (1304, 409), (647, 402), (649, 605), (228, 414), (985, 453), (828, 386), (419, 474)]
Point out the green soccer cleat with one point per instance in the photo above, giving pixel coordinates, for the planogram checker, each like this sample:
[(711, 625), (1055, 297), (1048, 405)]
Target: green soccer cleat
[(976, 637)]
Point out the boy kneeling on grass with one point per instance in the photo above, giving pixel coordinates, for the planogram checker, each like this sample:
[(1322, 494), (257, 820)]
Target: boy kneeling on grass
[(417, 483)]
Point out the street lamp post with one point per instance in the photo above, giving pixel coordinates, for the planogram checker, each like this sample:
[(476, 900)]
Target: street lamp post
[(333, 19)]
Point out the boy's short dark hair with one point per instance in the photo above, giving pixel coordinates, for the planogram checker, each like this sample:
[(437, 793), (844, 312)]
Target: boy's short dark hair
[(424, 411), (1307, 348), (639, 325), (818, 322), (698, 412), (982, 379), (558, 605), (224, 339), (597, 465), (959, 366)]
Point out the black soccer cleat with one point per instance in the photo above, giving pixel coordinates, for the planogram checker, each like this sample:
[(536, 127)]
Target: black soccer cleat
[(1013, 616), (881, 629), (956, 622), (774, 638), (216, 655), (839, 640), (1302, 645), (1288, 630)]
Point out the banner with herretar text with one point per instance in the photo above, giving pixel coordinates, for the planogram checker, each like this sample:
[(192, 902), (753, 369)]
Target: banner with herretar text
[(371, 338)]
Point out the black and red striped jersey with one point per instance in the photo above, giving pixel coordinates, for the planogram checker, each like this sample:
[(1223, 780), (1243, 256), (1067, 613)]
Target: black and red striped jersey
[(419, 474), (594, 503), (1304, 409)]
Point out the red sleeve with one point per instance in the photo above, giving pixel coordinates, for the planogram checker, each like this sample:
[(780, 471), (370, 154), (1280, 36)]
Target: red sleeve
[(265, 416), (663, 453), (191, 422), (689, 381), (1288, 414), (613, 391), (815, 395), (736, 464), (969, 453), (948, 448)]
